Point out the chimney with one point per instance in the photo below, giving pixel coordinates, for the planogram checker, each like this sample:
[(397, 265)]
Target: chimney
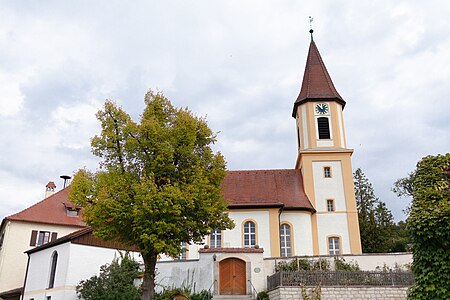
[(50, 189)]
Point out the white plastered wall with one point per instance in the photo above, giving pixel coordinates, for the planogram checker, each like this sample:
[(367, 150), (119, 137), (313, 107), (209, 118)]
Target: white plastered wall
[(233, 238), (330, 223), (301, 232), (13, 260), (75, 263)]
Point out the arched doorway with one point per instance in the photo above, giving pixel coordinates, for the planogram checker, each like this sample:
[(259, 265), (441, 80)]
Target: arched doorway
[(232, 277)]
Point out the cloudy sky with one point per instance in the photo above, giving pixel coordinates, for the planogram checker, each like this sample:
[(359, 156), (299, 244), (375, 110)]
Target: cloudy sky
[(239, 63)]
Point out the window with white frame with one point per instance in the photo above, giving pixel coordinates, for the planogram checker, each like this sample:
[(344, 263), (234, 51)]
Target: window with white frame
[(285, 240), (43, 238), (327, 172), (39, 238), (330, 205), (334, 246), (215, 239), (249, 234), (184, 251)]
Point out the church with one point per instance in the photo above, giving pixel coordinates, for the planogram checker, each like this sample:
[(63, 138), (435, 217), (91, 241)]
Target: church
[(309, 210)]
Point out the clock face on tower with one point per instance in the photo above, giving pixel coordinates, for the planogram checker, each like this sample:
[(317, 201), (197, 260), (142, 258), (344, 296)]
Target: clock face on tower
[(322, 108)]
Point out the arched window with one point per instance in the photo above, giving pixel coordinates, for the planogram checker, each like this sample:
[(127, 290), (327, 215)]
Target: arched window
[(285, 240), (324, 128), (54, 260), (334, 246), (215, 239), (249, 234)]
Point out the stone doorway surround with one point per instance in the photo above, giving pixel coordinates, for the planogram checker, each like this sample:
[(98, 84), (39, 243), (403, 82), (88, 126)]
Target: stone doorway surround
[(255, 274)]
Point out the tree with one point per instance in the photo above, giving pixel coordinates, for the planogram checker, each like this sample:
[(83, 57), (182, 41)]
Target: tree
[(115, 282), (375, 219), (429, 226), (158, 184)]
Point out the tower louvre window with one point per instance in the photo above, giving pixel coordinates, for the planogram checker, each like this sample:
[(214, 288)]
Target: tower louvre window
[(324, 128)]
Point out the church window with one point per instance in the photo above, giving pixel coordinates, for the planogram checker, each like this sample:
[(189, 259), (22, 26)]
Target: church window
[(285, 240), (298, 136), (334, 246), (330, 205), (215, 239), (327, 172), (323, 127), (184, 251), (54, 260), (249, 234)]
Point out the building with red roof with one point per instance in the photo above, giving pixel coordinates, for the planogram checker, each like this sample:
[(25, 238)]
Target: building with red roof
[(34, 226), (307, 210)]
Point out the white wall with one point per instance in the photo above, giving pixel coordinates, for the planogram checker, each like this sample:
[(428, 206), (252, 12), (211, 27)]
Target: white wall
[(301, 232), (185, 274), (233, 238), (330, 223), (366, 262), (13, 260), (328, 188), (75, 263)]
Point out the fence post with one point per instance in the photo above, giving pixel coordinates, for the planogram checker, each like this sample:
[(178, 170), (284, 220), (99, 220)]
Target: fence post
[(392, 277)]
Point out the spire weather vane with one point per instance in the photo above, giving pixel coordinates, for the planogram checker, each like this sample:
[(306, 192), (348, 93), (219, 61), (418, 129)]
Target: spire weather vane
[(311, 19)]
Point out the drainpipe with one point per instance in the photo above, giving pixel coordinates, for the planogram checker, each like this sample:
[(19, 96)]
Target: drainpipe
[(280, 211), (26, 275)]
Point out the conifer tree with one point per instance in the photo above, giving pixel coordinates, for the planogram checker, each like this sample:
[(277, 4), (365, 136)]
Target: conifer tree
[(375, 219)]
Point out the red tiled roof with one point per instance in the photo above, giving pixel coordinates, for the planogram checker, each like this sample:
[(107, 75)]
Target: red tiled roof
[(317, 83), (51, 210), (244, 189), (266, 188)]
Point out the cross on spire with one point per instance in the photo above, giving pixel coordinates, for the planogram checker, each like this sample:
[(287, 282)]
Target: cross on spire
[(311, 19)]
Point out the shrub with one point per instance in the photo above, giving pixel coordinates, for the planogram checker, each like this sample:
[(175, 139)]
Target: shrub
[(262, 296)]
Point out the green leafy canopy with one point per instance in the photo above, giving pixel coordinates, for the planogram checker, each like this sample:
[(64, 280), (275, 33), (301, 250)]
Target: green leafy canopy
[(159, 180), (429, 226)]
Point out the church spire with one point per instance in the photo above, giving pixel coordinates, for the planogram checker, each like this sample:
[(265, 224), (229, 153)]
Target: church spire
[(317, 83)]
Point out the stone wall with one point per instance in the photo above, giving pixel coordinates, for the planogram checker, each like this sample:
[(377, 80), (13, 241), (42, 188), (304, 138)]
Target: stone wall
[(335, 293)]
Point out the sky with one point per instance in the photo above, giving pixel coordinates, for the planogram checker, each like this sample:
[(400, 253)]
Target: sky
[(238, 63)]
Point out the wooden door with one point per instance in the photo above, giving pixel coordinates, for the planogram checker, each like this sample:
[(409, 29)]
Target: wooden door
[(232, 277)]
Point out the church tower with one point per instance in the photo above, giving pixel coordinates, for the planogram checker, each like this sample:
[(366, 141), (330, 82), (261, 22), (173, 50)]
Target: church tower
[(325, 161)]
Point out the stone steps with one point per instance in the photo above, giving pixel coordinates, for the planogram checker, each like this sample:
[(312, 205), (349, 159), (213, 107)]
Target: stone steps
[(232, 297)]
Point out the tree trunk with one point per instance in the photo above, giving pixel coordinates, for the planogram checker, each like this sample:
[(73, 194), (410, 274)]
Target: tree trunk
[(148, 284)]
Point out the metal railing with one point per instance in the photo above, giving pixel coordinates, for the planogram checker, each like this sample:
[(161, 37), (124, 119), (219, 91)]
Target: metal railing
[(254, 292), (340, 278)]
